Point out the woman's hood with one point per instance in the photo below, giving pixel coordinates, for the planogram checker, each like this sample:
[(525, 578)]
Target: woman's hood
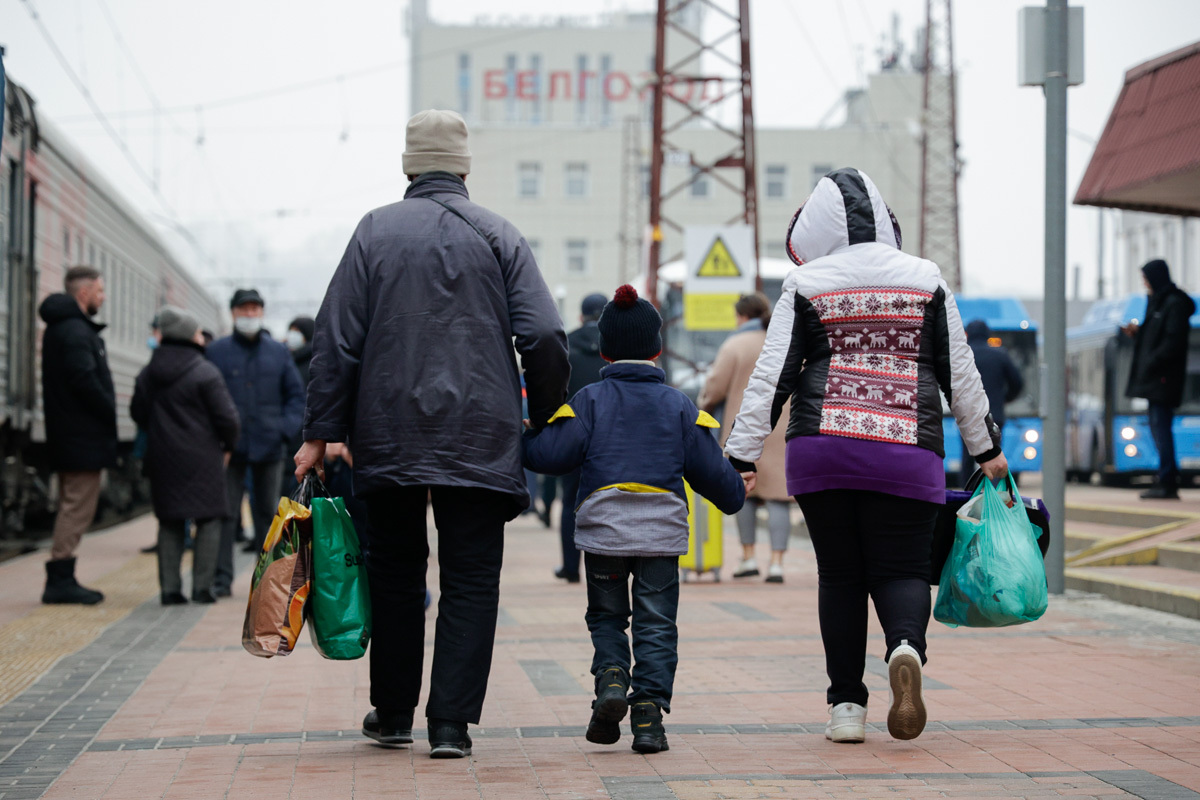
[(844, 209)]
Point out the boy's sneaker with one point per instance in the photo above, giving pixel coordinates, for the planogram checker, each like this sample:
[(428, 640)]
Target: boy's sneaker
[(746, 568), (775, 573), (448, 739), (388, 727), (648, 733), (847, 723), (609, 707), (906, 716)]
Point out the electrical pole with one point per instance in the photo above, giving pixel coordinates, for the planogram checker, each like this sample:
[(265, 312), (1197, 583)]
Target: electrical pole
[(940, 164), (700, 99), (1054, 345)]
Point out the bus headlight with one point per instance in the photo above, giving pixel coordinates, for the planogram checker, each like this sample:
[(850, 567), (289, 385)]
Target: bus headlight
[(1031, 436), (1128, 433), (1030, 453), (1131, 450)]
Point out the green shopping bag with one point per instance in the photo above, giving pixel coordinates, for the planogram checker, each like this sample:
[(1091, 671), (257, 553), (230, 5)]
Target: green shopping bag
[(339, 615), (994, 575)]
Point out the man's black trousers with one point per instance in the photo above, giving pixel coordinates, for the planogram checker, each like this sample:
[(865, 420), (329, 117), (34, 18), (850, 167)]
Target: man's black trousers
[(470, 529)]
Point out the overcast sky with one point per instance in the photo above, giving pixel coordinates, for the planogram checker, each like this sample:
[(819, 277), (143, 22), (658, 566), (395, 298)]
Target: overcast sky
[(271, 183)]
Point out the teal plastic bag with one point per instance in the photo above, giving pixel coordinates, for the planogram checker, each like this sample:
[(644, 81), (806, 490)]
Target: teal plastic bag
[(994, 575), (339, 612)]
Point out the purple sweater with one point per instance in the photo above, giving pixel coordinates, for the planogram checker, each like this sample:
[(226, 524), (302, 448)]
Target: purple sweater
[(817, 463)]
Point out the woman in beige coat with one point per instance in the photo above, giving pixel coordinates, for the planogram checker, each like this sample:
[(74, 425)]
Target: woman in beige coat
[(726, 382)]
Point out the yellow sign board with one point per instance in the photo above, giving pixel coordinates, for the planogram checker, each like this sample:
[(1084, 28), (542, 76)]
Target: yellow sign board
[(718, 263), (709, 312)]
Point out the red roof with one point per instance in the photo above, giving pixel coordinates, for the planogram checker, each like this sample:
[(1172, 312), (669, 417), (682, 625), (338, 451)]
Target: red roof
[(1148, 158)]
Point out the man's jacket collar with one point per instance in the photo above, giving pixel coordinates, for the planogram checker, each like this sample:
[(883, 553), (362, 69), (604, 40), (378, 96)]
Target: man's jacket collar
[(436, 183)]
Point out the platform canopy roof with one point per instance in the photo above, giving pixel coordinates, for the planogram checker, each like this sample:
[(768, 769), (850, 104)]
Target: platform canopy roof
[(1148, 158)]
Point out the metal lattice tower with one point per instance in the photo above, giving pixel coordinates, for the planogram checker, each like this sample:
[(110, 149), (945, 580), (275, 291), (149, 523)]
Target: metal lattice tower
[(633, 193), (688, 96), (940, 164)]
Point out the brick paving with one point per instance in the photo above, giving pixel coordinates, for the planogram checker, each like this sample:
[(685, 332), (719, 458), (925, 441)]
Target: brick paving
[(1094, 700)]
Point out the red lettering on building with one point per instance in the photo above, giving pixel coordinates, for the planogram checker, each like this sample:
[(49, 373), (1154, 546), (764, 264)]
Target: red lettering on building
[(495, 87), (563, 77), (526, 85), (623, 83), (583, 82)]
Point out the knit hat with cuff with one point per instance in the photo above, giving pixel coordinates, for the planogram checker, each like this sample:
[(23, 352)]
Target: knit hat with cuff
[(175, 323), (436, 141), (630, 328)]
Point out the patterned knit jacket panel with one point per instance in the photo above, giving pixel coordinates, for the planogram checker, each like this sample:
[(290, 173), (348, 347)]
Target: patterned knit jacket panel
[(865, 339)]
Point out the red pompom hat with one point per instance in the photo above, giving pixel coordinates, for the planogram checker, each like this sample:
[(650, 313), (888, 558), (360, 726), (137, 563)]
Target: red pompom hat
[(630, 328)]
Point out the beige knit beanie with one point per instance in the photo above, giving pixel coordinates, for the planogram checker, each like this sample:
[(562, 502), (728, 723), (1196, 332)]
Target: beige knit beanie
[(436, 141)]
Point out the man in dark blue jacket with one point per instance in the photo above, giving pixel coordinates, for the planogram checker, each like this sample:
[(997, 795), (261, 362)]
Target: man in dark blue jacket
[(266, 389), (413, 366), (1002, 380)]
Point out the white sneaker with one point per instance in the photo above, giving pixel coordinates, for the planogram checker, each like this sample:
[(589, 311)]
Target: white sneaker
[(746, 568), (847, 723), (775, 573), (906, 714)]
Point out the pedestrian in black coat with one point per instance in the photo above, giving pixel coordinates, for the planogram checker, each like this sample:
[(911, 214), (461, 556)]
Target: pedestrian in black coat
[(1002, 380), (181, 400), (191, 423), (1160, 351), (414, 367), (81, 421)]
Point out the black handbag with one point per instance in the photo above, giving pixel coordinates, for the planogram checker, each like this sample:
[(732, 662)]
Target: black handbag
[(943, 534)]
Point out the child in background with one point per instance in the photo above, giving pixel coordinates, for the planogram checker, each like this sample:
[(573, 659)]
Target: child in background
[(635, 440)]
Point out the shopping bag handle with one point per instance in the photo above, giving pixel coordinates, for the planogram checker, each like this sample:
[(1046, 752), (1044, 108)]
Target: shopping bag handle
[(977, 477), (311, 486)]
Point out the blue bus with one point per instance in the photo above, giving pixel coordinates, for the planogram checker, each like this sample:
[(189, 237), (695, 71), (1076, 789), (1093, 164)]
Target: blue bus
[(1013, 330), (1108, 434)]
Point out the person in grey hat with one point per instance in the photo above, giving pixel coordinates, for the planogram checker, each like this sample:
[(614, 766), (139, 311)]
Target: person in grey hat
[(181, 401), (413, 366)]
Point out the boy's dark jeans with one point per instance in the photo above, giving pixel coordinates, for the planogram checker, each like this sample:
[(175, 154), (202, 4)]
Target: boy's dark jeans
[(654, 608), (1161, 416)]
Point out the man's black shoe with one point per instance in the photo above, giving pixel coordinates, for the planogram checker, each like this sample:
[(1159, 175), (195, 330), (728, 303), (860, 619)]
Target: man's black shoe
[(174, 599), (222, 591), (1160, 493), (609, 707), (448, 739), (204, 597), (544, 516), (151, 549), (648, 733), (569, 577), (61, 586), (388, 727)]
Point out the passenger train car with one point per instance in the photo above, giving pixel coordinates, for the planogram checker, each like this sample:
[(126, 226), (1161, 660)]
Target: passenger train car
[(1013, 330), (1108, 433), (56, 211)]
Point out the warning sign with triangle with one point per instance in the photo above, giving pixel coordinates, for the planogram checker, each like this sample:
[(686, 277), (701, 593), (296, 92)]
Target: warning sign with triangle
[(718, 263)]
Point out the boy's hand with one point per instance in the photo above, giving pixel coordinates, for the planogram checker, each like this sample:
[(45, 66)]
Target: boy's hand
[(528, 425), (750, 479)]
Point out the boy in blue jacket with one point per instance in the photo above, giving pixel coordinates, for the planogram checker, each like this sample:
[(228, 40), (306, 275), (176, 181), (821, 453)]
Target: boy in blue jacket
[(634, 440)]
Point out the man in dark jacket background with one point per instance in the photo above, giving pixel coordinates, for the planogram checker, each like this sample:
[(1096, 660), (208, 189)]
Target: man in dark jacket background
[(413, 367), (1160, 350), (265, 386), (181, 401), (586, 363), (81, 422), (1002, 380)]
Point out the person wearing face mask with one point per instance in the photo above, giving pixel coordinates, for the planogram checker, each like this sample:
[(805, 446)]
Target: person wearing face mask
[(81, 421), (266, 389)]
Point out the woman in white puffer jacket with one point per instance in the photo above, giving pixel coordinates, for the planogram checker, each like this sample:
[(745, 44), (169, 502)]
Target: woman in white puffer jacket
[(864, 341)]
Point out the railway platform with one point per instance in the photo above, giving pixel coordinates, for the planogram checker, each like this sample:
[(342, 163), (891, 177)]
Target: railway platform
[(132, 700)]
